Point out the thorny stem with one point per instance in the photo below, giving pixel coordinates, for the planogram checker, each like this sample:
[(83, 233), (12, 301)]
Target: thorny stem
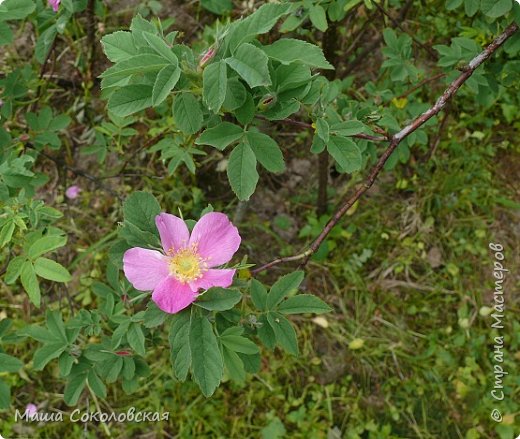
[(394, 142)]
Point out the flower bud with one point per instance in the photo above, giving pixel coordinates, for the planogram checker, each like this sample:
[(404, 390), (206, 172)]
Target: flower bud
[(268, 101), (208, 55)]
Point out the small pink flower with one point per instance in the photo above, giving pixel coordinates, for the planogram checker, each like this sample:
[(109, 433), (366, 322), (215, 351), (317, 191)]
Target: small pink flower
[(210, 53), (31, 410), (55, 4), (186, 266), (73, 192)]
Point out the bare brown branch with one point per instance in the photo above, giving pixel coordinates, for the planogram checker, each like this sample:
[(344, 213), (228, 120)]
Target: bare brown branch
[(394, 142)]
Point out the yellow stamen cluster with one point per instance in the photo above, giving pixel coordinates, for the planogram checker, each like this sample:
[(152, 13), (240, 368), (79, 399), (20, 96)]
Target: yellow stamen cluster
[(186, 265)]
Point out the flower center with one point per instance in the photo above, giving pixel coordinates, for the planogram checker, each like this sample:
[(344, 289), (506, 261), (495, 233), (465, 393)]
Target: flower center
[(186, 265)]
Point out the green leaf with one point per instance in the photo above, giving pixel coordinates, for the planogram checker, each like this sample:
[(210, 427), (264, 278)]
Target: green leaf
[(207, 363), (179, 339), (6, 233), (265, 332), (347, 128), (453, 4), (5, 395), (130, 99), (284, 332), (46, 353), (153, 316), (288, 50), (135, 338), (237, 343), (74, 388), (236, 95), (471, 7), (119, 46), (9, 364), (128, 368), (214, 85), (160, 47), (260, 22), (496, 8), (30, 283), (251, 64), (51, 270), (139, 64), (46, 244), (266, 151), (217, 6), (14, 269), (220, 135), (165, 81), (234, 365), (218, 299), (95, 383), (282, 287), (258, 295), (56, 326), (322, 129), (140, 209), (16, 9), (241, 171), (65, 363), (187, 113), (318, 17), (6, 34), (346, 153), (303, 303)]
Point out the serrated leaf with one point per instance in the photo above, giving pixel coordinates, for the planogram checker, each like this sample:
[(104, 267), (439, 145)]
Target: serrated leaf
[(130, 99), (251, 64), (138, 64), (495, 8), (119, 46), (95, 383), (238, 343), (318, 17), (303, 303), (30, 283), (16, 9), (165, 82), (159, 46), (135, 338), (187, 113), (345, 152), (289, 50), (140, 209), (234, 365), (14, 269), (258, 295), (214, 85), (5, 395), (179, 339), (207, 363), (46, 353), (266, 151), (74, 388), (51, 270), (46, 244), (282, 287), (284, 332), (322, 129), (218, 299), (9, 363), (241, 171), (220, 135)]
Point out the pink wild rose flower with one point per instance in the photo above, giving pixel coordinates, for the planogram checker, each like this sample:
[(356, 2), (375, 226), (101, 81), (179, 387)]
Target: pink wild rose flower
[(55, 4), (187, 264), (31, 410)]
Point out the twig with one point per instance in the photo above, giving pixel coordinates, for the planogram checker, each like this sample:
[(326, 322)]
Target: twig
[(394, 142), (75, 171), (423, 82)]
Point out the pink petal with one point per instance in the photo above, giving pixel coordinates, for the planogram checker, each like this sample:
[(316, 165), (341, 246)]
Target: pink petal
[(174, 232), (217, 239), (214, 278), (171, 296), (145, 268)]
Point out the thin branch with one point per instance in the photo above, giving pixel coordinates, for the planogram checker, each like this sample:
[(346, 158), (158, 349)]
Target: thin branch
[(394, 142), (423, 82), (438, 137)]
